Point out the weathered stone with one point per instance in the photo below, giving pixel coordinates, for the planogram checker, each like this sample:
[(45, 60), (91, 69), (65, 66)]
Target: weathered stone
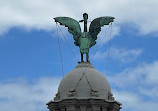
[(95, 108), (70, 108), (83, 108), (84, 89)]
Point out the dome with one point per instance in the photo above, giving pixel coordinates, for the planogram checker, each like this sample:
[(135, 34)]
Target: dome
[(83, 82)]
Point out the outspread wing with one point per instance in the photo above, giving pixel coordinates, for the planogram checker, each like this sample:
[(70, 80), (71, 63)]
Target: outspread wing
[(96, 24), (73, 27)]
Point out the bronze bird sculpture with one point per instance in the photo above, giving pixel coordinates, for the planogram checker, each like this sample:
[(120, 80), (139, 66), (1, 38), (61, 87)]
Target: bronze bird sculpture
[(85, 40)]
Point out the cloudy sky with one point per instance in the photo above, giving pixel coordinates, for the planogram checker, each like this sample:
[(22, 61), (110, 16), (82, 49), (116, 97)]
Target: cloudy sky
[(30, 68)]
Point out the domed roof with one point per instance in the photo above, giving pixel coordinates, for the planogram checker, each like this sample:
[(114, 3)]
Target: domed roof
[(84, 82)]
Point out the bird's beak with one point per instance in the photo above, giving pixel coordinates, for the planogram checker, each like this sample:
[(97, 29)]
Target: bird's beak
[(81, 20)]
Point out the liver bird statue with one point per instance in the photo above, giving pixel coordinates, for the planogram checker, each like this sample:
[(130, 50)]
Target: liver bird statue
[(85, 40)]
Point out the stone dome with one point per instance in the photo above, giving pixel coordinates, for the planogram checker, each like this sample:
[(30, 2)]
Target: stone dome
[(82, 83)]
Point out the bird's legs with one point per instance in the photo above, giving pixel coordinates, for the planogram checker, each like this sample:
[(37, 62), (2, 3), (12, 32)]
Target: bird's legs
[(82, 57), (87, 57)]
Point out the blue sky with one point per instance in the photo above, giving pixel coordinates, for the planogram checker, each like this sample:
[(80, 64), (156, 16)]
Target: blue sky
[(30, 68)]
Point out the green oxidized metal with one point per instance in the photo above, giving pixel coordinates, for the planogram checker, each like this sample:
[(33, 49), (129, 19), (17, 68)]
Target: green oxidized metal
[(84, 43), (85, 40)]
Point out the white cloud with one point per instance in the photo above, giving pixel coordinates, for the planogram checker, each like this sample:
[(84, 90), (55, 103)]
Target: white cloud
[(107, 33), (125, 55), (120, 54), (132, 101), (136, 87), (38, 14), (144, 74), (19, 95)]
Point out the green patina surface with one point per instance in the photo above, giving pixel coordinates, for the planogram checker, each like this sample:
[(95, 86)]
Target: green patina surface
[(84, 45), (85, 40)]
